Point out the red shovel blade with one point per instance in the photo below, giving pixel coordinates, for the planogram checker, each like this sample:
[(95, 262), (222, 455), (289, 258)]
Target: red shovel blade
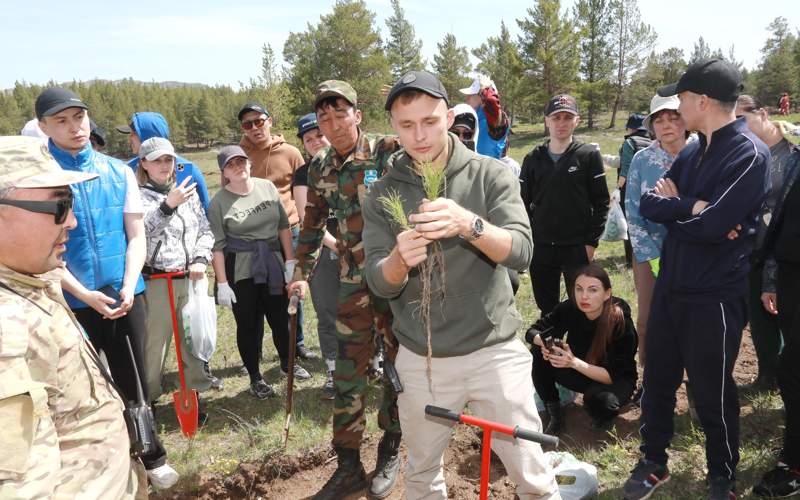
[(186, 410)]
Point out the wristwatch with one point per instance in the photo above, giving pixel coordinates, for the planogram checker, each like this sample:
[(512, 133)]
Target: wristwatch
[(477, 229)]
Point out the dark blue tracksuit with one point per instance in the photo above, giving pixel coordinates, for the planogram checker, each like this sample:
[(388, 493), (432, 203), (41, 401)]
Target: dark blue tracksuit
[(698, 309)]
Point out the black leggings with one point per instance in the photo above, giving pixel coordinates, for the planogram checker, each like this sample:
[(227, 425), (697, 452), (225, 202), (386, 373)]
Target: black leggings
[(253, 302), (602, 402), (108, 336)]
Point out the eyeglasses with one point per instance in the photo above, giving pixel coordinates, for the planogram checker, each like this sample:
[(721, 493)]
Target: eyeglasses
[(59, 208), (257, 123)]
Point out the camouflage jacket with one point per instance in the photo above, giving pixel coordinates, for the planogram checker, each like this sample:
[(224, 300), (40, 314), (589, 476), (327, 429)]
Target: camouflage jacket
[(340, 186), (63, 431)]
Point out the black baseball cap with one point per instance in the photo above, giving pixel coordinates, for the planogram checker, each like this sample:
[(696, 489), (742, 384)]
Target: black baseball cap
[(715, 78), (465, 120), (417, 80), (252, 106), (228, 153), (561, 102), (55, 100), (97, 133), (306, 123)]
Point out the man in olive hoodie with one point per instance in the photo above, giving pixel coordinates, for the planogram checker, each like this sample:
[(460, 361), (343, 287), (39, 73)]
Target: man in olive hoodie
[(481, 225)]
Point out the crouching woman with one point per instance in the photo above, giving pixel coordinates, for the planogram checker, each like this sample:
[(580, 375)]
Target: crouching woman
[(587, 344)]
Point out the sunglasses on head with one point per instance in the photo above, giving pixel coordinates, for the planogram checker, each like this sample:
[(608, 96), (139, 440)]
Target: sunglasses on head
[(58, 208), (257, 123)]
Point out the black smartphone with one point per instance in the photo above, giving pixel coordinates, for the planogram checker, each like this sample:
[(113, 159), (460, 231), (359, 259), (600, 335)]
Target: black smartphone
[(548, 342), (558, 343), (112, 292)]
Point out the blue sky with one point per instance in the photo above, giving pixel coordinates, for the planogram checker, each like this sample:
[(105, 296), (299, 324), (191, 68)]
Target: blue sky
[(207, 42)]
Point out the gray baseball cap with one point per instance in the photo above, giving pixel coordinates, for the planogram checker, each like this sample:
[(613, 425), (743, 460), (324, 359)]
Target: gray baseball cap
[(154, 148), (228, 153)]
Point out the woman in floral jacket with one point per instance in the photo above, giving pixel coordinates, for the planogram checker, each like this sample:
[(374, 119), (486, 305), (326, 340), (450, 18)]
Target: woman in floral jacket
[(647, 167)]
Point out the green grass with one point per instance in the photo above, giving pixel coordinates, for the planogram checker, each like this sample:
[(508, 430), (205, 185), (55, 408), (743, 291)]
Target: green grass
[(243, 429)]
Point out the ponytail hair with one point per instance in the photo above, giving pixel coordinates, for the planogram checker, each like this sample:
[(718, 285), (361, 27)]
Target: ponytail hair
[(611, 320)]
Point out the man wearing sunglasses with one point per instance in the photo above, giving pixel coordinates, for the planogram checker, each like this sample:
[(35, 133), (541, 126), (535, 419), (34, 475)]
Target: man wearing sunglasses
[(56, 409), (273, 158), (104, 256)]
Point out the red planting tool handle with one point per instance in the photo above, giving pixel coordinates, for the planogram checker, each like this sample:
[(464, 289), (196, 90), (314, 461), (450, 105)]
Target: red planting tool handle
[(516, 431), (176, 335)]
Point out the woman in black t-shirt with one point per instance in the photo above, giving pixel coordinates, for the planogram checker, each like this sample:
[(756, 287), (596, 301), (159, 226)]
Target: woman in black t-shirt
[(587, 344)]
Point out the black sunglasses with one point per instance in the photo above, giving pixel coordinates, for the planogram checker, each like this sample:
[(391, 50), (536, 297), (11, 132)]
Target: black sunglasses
[(257, 123), (59, 208)]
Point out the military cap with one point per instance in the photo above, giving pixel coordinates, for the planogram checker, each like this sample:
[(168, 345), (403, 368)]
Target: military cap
[(335, 88), (25, 162)]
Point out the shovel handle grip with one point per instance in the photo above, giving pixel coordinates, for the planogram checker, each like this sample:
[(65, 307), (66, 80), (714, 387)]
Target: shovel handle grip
[(536, 437), (436, 411), (294, 302)]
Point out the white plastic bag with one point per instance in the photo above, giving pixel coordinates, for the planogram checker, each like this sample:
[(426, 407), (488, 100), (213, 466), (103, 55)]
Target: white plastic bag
[(200, 319), (576, 480), (616, 225)]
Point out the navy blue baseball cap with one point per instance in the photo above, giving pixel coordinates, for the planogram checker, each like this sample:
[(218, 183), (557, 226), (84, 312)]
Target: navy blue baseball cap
[(635, 122), (306, 123)]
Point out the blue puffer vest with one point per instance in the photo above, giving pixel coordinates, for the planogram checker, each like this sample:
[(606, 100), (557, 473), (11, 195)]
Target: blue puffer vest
[(96, 248)]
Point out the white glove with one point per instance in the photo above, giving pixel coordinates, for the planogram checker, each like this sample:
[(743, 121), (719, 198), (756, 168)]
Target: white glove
[(288, 272), (225, 296)]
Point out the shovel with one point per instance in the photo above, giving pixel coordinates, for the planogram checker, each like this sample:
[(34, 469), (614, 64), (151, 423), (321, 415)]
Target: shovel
[(294, 301), (185, 399)]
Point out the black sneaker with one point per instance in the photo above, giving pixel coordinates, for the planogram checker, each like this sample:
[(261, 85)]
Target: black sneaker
[(645, 478), (780, 482), (721, 488), (304, 352), (261, 390)]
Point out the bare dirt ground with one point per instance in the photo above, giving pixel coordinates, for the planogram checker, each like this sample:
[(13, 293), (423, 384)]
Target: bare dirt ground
[(300, 476)]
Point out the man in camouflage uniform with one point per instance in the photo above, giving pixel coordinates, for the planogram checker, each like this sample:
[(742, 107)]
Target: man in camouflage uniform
[(338, 179), (63, 431)]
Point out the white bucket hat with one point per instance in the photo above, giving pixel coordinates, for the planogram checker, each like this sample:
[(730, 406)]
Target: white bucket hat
[(658, 103)]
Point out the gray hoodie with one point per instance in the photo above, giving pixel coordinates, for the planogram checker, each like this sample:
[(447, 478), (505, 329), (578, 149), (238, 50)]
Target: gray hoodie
[(477, 309)]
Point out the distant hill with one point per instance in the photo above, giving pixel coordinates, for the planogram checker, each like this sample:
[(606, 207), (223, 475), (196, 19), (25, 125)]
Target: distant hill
[(166, 85)]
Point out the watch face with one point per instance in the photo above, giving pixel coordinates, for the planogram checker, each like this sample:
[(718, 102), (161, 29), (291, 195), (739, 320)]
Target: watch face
[(477, 227)]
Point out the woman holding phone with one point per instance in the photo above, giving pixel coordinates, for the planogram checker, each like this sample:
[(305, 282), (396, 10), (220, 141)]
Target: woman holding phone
[(587, 344)]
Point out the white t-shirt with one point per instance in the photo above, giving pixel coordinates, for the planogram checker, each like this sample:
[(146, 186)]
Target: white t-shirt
[(133, 199)]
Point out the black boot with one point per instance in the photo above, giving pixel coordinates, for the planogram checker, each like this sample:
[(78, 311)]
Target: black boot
[(349, 477), (557, 421), (387, 466)]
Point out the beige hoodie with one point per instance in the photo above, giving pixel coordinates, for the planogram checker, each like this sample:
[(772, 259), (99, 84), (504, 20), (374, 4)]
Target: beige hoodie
[(276, 161)]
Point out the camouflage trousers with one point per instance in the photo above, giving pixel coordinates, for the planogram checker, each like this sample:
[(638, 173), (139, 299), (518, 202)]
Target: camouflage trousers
[(360, 317)]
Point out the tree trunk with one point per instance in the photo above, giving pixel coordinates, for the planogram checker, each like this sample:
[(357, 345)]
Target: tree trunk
[(616, 106)]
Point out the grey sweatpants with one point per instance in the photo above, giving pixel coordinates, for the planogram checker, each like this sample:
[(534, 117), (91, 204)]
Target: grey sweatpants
[(324, 293)]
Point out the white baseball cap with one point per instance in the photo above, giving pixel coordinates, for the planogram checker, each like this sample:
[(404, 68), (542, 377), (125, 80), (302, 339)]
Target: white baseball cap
[(479, 83), (658, 103)]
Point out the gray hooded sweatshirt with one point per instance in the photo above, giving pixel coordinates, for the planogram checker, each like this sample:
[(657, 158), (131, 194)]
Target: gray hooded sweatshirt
[(477, 309)]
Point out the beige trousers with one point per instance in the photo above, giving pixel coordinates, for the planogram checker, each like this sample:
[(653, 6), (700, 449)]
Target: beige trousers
[(496, 384), (159, 338), (645, 283)]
